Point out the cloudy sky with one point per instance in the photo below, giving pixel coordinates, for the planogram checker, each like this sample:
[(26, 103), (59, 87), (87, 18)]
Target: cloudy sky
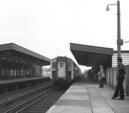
[(49, 26)]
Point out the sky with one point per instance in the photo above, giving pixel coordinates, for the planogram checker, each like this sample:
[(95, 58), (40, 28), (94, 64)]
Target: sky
[(47, 27)]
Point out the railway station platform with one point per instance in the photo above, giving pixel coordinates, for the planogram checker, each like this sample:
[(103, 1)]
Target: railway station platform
[(89, 98), (14, 84), (18, 80), (9, 97)]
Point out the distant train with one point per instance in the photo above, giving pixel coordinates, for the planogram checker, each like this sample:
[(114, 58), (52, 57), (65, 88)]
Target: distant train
[(63, 71)]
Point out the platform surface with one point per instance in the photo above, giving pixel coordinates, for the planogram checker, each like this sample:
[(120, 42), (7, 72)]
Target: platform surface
[(9, 81), (89, 98)]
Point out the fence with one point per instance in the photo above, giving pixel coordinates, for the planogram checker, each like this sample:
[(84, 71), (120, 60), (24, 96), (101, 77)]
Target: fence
[(111, 74)]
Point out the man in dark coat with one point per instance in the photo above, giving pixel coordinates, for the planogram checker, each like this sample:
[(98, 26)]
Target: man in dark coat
[(120, 79)]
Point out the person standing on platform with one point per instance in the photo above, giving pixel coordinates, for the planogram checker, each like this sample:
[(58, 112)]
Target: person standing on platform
[(101, 76), (119, 90)]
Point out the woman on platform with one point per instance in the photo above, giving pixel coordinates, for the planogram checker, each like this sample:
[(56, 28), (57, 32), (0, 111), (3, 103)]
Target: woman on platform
[(101, 76)]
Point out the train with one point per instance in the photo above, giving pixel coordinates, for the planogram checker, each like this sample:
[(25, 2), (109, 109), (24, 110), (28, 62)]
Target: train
[(64, 71)]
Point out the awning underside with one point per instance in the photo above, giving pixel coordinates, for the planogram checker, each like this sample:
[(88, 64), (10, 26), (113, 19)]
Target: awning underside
[(17, 57), (17, 54), (90, 57)]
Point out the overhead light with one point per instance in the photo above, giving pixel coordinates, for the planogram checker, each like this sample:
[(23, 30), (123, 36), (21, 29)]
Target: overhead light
[(107, 8)]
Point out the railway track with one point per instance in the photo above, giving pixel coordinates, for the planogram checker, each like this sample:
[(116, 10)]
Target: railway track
[(39, 103)]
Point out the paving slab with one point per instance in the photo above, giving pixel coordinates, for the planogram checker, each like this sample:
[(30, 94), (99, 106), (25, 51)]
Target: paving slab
[(89, 98)]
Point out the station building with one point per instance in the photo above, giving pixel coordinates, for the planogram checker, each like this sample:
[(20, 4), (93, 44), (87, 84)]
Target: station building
[(92, 55), (17, 61)]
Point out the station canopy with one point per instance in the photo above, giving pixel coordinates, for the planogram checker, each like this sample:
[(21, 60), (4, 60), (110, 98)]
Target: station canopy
[(92, 55), (16, 54)]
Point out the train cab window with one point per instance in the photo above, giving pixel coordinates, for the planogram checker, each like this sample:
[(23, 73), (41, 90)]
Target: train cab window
[(69, 65), (54, 65), (61, 64)]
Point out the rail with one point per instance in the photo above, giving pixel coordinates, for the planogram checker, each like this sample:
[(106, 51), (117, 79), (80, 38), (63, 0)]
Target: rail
[(19, 108)]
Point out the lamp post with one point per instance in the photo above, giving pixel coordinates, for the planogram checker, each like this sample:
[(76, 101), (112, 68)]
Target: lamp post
[(119, 40)]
